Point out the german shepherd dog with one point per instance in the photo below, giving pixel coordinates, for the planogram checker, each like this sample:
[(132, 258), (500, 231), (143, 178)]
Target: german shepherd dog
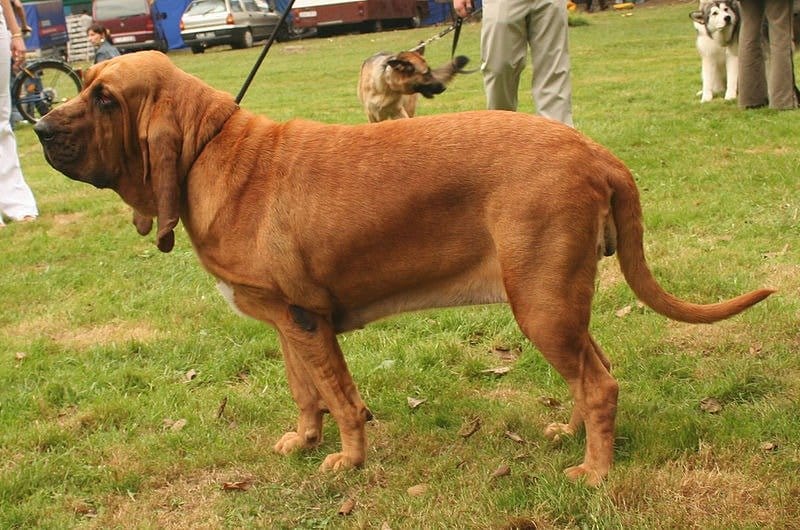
[(389, 83)]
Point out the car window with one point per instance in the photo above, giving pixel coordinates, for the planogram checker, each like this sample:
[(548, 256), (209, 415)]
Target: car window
[(250, 5), (261, 5), (236, 6), (203, 7), (108, 9)]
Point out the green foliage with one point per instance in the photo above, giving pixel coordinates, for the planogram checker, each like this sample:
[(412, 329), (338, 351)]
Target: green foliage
[(106, 344)]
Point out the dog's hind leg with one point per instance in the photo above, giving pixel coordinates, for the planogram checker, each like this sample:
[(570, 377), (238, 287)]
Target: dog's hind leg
[(550, 290), (556, 431)]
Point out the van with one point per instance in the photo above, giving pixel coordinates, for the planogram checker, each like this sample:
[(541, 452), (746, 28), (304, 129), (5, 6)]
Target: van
[(132, 24), (337, 16)]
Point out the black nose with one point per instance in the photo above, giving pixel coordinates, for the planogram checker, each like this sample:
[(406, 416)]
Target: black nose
[(727, 18), (43, 130)]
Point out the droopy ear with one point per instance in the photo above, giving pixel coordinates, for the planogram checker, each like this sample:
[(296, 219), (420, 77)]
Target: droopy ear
[(160, 142)]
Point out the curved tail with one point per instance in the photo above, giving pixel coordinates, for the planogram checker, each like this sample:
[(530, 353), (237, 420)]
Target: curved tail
[(627, 213)]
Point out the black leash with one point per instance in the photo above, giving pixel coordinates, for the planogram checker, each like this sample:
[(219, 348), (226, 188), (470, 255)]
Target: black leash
[(456, 35), (264, 52), (455, 27)]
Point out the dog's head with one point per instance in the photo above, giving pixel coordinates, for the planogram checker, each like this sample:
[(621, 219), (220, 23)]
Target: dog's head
[(411, 74), (136, 128), (717, 17)]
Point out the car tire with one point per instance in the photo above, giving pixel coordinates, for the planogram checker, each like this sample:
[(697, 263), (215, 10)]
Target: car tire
[(246, 39), (198, 49)]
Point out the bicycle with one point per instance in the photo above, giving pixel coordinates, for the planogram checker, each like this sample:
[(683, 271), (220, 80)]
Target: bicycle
[(43, 84)]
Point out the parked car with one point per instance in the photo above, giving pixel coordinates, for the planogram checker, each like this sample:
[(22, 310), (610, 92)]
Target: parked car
[(238, 23), (132, 24)]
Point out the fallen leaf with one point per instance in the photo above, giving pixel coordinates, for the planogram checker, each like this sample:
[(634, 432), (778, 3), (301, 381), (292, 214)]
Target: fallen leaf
[(239, 485), (385, 526), (625, 311), (769, 446), (191, 374), (20, 355), (175, 425), (515, 437), (550, 402), (347, 507), (470, 428), (499, 370), (419, 489), (710, 405), (414, 402), (501, 471), (505, 353)]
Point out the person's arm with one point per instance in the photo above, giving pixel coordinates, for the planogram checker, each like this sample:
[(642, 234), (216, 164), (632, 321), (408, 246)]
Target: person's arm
[(19, 11), (463, 7), (17, 40)]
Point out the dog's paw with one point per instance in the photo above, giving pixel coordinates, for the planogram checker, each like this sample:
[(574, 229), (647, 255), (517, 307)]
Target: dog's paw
[(340, 462), (555, 431), (730, 96), (706, 98), (582, 472), (291, 442)]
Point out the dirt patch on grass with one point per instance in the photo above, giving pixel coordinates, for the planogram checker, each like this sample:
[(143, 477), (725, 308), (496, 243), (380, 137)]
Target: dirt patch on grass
[(706, 497), (80, 337), (705, 339), (184, 502)]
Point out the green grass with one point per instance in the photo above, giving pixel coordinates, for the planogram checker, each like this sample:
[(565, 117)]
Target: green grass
[(98, 331)]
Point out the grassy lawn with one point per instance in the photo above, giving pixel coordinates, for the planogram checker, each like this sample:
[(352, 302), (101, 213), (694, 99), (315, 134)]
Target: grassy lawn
[(132, 397)]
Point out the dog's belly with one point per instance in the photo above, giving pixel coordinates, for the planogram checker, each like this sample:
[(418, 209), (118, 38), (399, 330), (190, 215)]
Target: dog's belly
[(480, 285)]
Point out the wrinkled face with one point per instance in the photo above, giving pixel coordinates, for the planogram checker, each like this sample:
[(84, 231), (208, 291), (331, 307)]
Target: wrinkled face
[(136, 128), (92, 139)]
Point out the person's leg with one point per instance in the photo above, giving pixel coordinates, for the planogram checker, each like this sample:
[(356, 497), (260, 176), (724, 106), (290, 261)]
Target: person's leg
[(16, 198), (548, 37), (503, 50), (780, 80), (752, 72)]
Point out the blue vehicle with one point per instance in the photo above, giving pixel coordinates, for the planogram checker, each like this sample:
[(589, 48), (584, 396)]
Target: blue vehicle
[(49, 24)]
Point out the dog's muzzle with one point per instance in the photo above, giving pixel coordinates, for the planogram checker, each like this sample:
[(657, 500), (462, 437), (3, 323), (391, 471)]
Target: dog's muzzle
[(430, 90)]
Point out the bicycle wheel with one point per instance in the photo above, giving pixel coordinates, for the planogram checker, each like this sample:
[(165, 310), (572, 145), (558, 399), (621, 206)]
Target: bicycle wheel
[(43, 85)]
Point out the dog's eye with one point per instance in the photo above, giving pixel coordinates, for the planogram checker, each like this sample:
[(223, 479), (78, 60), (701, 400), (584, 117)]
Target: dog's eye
[(103, 99)]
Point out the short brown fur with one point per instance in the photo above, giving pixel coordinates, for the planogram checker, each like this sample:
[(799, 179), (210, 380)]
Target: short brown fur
[(316, 239)]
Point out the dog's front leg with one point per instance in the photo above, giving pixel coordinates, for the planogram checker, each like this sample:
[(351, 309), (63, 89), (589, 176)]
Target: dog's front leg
[(318, 362), (732, 74), (307, 398), (709, 74)]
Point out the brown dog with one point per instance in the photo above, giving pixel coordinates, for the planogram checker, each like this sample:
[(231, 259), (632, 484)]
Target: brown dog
[(305, 231), (389, 84)]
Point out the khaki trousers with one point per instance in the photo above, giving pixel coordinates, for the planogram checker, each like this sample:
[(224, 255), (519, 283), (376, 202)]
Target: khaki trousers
[(508, 29), (766, 82)]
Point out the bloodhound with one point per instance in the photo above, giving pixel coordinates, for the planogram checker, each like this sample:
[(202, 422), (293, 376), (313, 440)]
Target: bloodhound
[(319, 229)]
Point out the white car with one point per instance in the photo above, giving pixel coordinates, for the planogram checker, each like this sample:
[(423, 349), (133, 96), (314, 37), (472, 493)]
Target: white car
[(238, 23)]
